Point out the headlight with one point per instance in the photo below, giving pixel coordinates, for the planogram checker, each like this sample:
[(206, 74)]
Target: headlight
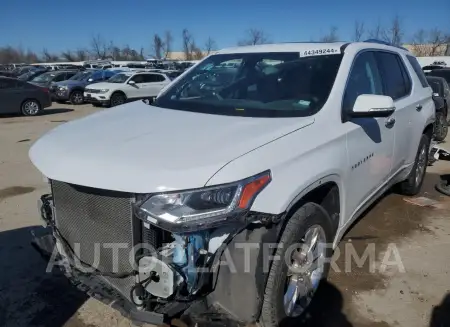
[(62, 88), (201, 208), (103, 90)]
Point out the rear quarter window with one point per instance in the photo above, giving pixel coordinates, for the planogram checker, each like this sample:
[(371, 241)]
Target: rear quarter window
[(418, 70)]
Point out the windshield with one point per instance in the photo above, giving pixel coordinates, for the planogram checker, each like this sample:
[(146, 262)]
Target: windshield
[(46, 77), (81, 76), (118, 78), (277, 84)]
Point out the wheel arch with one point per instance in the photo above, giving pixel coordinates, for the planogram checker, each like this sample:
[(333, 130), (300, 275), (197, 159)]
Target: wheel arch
[(119, 92), (327, 192)]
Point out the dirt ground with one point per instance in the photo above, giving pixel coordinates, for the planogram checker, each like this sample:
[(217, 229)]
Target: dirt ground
[(412, 292)]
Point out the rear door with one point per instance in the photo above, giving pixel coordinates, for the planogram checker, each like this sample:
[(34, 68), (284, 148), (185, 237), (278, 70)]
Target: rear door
[(156, 84), (11, 96), (398, 85), (423, 109)]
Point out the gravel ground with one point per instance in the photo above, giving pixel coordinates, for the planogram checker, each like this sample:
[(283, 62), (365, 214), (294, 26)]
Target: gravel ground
[(413, 294)]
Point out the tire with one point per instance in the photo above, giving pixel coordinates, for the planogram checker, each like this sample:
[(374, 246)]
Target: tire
[(412, 185), (76, 98), (441, 127), (117, 99), (309, 216), (31, 107)]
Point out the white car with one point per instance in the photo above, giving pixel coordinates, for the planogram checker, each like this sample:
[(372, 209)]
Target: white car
[(124, 87), (287, 148)]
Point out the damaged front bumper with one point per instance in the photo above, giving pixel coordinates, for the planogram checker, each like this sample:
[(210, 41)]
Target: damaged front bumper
[(239, 265)]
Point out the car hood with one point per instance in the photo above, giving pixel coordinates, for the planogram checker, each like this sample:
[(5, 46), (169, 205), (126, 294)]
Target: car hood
[(142, 149), (102, 85)]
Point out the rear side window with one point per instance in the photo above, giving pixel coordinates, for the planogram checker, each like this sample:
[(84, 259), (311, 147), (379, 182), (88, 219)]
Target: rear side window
[(156, 78), (395, 77), (419, 72)]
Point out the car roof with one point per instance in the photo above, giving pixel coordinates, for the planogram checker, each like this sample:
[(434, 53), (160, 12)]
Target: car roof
[(303, 47)]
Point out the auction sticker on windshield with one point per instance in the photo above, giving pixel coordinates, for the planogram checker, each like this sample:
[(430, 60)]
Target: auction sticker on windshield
[(318, 52)]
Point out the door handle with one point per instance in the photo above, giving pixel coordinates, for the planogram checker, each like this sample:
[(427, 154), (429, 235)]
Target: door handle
[(390, 122), (419, 107)]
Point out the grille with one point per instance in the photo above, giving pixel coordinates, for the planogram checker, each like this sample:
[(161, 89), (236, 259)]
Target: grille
[(95, 218), (92, 90)]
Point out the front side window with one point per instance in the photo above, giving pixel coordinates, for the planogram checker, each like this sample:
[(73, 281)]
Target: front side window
[(138, 79), (60, 77), (364, 78), (276, 84)]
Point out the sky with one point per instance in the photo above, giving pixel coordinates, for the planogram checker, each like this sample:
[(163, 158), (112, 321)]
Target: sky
[(65, 24)]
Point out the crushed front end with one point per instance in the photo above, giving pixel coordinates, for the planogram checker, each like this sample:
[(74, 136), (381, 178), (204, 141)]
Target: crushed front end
[(154, 257)]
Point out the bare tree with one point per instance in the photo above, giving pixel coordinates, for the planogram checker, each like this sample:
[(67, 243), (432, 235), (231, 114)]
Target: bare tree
[(359, 31), (187, 44), (99, 47), (158, 46), (168, 40), (377, 31), (253, 37), (210, 45), (82, 55), (438, 40), (394, 33), (49, 57), (68, 55), (331, 36)]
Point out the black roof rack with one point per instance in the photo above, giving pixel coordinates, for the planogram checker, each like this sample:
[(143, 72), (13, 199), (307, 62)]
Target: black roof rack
[(385, 43)]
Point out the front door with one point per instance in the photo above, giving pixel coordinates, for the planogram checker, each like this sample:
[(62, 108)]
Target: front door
[(370, 141)]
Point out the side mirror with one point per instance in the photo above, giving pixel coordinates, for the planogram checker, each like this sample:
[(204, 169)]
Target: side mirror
[(132, 82), (371, 105)]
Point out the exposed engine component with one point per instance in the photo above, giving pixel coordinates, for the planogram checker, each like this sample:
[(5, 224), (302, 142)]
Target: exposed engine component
[(157, 277), (186, 253)]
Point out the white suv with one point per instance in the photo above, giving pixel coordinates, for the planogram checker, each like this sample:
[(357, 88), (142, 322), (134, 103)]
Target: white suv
[(287, 146), (126, 86)]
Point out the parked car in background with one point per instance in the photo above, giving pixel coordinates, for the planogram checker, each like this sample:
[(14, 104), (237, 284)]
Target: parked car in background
[(125, 87), (47, 79), (72, 89), (441, 97), (21, 97), (32, 74), (442, 72)]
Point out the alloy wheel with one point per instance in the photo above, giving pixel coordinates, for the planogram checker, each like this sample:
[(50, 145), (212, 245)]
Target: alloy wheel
[(305, 271)]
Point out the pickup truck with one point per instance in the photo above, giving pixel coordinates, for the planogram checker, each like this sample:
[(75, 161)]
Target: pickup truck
[(224, 199)]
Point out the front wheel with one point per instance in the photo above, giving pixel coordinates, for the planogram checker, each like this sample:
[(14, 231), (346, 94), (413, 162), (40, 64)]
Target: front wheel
[(76, 97), (412, 185), (303, 257), (117, 99), (441, 127), (30, 108)]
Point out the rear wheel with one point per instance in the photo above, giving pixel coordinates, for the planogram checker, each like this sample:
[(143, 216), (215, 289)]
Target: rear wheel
[(304, 252), (441, 127), (31, 107), (412, 185), (76, 97)]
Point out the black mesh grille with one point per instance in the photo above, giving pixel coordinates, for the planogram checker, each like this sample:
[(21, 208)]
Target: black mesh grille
[(95, 218)]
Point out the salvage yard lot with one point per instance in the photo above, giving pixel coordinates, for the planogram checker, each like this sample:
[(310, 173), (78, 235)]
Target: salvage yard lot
[(367, 296)]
